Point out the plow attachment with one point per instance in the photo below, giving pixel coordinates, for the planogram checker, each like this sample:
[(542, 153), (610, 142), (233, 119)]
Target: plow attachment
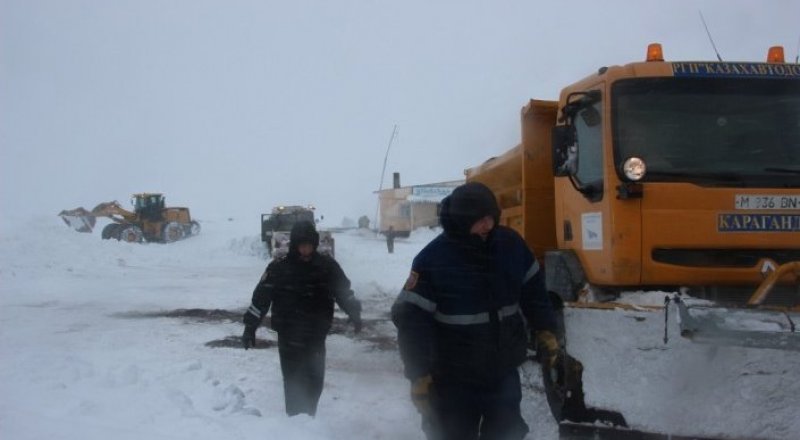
[(740, 327), (577, 421), (573, 431), (752, 325), (78, 219), (563, 386), (768, 319)]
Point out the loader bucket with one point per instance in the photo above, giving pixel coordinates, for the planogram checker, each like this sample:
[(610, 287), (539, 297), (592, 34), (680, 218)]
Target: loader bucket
[(78, 219), (752, 325)]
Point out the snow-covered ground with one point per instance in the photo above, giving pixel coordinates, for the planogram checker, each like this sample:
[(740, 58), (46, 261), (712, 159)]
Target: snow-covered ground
[(103, 339)]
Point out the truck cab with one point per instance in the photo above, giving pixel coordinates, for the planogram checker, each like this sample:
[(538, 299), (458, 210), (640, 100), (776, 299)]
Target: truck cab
[(659, 174), (277, 226)]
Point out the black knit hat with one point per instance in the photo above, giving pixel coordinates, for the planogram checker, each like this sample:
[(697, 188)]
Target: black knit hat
[(303, 232), (466, 205)]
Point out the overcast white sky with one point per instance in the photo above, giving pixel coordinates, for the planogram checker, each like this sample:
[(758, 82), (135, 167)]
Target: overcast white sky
[(235, 106)]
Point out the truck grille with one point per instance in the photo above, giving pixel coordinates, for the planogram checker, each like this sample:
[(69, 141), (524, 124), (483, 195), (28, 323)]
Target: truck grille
[(723, 257)]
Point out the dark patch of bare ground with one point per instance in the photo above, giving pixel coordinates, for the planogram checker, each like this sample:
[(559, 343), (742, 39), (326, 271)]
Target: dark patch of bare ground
[(236, 342), (370, 332)]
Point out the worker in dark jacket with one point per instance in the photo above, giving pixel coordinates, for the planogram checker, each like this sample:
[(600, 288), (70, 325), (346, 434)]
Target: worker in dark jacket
[(301, 289), (474, 297), (390, 234)]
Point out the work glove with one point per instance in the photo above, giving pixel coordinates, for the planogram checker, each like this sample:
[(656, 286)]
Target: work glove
[(421, 393), (249, 337), (547, 348)]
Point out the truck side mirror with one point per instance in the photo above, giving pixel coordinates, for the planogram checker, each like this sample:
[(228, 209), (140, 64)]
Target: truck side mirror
[(590, 116), (565, 150)]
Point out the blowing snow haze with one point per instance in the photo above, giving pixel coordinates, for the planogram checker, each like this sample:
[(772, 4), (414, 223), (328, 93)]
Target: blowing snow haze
[(230, 108)]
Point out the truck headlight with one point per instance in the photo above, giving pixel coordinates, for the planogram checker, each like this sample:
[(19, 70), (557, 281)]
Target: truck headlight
[(634, 168)]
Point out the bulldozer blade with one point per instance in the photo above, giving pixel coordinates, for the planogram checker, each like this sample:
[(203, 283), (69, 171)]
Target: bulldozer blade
[(742, 327), (78, 219)]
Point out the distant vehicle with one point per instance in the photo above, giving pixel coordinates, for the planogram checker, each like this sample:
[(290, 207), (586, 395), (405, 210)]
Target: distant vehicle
[(149, 221), (276, 227)]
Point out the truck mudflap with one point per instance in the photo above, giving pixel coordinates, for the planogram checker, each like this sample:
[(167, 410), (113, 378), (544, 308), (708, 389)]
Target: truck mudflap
[(753, 325)]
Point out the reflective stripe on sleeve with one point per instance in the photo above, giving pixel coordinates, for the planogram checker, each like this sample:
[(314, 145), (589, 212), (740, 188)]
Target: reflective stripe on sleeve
[(416, 299), (475, 318), (531, 271), (253, 310)]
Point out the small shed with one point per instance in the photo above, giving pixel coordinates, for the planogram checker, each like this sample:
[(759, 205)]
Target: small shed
[(406, 208)]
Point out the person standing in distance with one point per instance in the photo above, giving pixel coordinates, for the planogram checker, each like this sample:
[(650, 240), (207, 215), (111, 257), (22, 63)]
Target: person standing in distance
[(301, 289), (474, 297), (389, 233)]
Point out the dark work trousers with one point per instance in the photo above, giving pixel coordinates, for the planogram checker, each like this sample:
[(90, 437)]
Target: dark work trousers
[(303, 368), (390, 243), (465, 411)]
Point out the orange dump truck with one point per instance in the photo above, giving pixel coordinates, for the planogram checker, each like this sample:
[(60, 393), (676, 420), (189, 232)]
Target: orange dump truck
[(653, 174), (681, 177)]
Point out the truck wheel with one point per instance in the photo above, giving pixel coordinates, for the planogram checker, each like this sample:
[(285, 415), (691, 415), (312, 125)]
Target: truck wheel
[(111, 230), (172, 231), (131, 234), (194, 228)]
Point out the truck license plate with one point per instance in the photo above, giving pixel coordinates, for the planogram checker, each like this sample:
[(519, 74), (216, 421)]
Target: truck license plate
[(767, 201)]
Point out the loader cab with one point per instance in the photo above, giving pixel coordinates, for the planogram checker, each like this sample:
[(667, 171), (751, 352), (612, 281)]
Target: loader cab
[(148, 205)]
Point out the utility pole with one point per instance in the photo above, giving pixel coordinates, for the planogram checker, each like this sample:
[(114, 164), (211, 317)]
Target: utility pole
[(383, 173)]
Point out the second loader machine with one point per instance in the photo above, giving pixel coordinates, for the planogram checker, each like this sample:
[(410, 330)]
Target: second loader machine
[(149, 221)]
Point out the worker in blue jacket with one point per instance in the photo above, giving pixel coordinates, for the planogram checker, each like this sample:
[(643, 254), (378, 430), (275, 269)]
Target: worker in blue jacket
[(474, 299)]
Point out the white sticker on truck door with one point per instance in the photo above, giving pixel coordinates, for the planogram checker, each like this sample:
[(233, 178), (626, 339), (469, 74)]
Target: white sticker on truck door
[(592, 230)]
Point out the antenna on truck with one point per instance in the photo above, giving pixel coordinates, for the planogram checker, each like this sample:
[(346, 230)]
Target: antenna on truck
[(797, 57), (709, 35)]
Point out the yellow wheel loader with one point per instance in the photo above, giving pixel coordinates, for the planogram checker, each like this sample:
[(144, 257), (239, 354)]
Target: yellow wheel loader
[(149, 221)]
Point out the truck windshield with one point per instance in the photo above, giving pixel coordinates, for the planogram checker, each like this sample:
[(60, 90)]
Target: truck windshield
[(284, 222), (712, 131)]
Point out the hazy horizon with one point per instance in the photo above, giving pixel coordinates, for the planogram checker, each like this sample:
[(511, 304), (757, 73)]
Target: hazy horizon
[(234, 107)]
